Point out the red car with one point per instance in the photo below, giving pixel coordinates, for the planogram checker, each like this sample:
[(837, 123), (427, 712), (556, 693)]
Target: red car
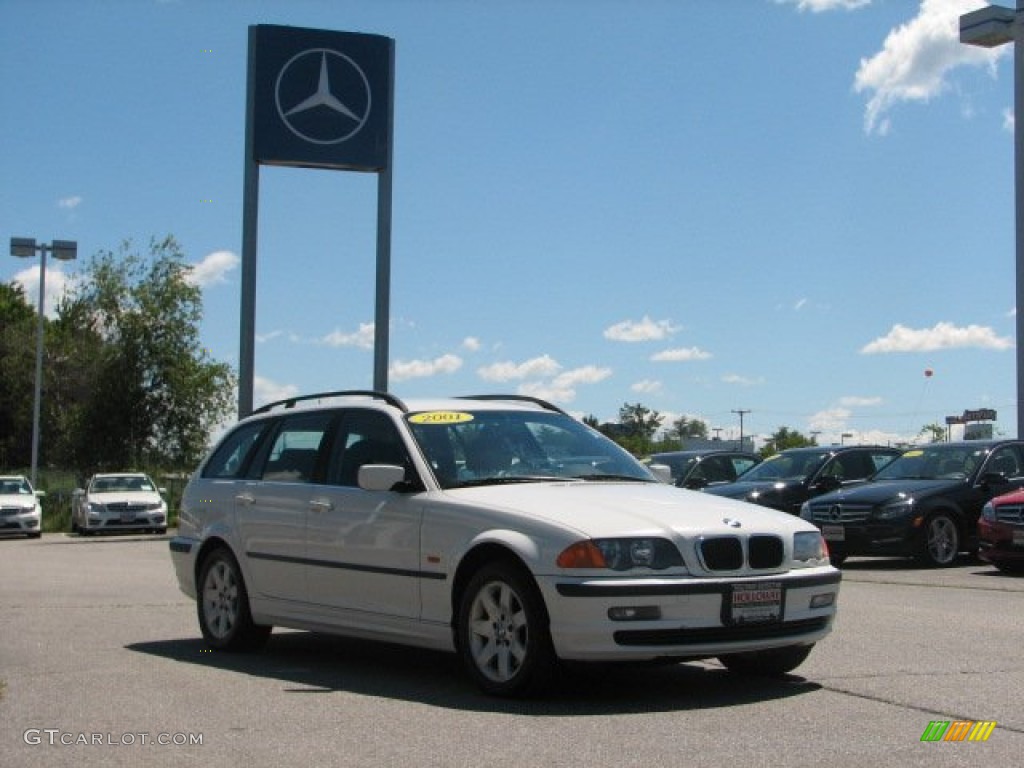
[(1001, 532)]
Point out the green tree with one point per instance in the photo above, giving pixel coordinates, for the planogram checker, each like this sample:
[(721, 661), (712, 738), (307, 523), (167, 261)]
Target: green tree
[(635, 429), (17, 375), (154, 392), (683, 428), (784, 438), (934, 433)]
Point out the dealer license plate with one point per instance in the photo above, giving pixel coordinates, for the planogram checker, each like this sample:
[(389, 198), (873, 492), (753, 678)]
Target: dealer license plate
[(756, 602), (833, 532)]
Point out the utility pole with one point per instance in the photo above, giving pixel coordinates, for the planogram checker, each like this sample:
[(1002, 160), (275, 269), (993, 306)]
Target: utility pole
[(741, 412)]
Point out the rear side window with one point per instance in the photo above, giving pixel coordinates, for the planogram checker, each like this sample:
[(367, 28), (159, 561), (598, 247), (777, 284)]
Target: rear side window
[(295, 449), (232, 455)]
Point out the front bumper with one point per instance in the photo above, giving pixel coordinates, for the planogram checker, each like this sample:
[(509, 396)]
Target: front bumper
[(18, 520), (184, 551), (1000, 544), (125, 521), (686, 617)]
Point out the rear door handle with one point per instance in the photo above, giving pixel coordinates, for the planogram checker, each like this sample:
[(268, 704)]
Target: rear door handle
[(321, 505)]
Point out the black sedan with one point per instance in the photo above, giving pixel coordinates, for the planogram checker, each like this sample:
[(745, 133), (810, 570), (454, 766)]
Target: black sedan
[(925, 504), (699, 469), (787, 479)]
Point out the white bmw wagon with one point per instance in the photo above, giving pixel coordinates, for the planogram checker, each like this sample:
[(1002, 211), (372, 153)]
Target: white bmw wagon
[(497, 527)]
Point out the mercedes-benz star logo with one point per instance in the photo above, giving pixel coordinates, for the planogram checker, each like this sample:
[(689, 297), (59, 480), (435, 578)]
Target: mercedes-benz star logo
[(335, 109), (835, 512)]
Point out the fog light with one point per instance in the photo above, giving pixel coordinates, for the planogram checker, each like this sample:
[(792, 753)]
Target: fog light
[(823, 601), (635, 613)]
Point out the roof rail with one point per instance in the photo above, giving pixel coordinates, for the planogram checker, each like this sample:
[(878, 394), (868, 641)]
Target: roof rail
[(291, 401), (521, 398)]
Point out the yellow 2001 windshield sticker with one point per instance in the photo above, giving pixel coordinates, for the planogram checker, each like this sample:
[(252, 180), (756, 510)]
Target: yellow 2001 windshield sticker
[(912, 454), (440, 417)]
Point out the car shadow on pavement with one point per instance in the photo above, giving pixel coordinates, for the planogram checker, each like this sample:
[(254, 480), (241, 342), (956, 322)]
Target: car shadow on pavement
[(312, 663)]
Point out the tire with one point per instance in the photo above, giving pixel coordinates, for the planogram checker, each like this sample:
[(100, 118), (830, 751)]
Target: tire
[(773, 663), (160, 531), (223, 606), (502, 632), (837, 558), (941, 543), (35, 535)]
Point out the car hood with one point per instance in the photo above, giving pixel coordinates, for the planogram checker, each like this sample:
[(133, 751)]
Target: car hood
[(125, 497), (597, 509), (879, 491), (17, 500), (741, 490)]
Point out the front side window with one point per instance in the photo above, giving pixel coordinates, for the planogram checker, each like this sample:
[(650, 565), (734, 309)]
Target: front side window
[(784, 466), (467, 448)]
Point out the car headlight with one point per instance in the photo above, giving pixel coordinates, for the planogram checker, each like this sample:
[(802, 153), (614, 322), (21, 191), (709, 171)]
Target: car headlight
[(988, 512), (809, 547), (895, 508), (96, 507), (805, 511), (621, 554)]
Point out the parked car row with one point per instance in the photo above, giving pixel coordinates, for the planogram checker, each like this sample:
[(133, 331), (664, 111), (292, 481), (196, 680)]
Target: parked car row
[(111, 502), (932, 502)]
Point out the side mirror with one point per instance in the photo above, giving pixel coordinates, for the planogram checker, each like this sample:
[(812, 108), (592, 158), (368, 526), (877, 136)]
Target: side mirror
[(380, 477), (828, 483), (695, 483), (993, 478), (78, 492), (661, 471), (162, 491), (40, 494)]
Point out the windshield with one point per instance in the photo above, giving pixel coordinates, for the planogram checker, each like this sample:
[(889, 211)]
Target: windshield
[(487, 447), (949, 462), (10, 486), (786, 466), (120, 484)]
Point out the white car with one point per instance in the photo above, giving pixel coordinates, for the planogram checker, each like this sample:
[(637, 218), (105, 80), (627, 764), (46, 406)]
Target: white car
[(121, 501), (497, 527), (20, 511)]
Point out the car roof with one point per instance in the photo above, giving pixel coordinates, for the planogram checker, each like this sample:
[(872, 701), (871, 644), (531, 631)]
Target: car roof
[(699, 452), (384, 401)]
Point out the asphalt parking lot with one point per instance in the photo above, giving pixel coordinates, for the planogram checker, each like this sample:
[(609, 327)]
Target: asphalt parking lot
[(101, 663)]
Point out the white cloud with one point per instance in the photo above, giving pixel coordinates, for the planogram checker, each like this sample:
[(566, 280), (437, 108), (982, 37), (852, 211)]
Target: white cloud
[(266, 391), (507, 371), (588, 374), (363, 338), (820, 6), (1009, 121), (799, 305), (915, 59), (262, 337), (419, 369), (645, 330), (830, 420), (213, 268), (853, 401), (58, 285), (681, 355), (646, 386), (743, 381), (471, 344), (942, 336), (69, 202)]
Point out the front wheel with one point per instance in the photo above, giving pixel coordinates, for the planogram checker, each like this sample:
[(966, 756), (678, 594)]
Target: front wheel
[(941, 540), (502, 632), (223, 606), (772, 663)]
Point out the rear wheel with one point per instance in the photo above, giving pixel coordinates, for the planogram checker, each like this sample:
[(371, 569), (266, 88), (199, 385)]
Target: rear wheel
[(223, 606), (502, 632), (771, 663), (941, 540)]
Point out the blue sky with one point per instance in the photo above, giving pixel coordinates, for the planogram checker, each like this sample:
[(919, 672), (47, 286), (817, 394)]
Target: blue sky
[(788, 207)]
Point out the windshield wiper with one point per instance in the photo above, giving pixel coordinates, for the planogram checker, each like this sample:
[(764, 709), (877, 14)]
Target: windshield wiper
[(616, 478), (511, 480)]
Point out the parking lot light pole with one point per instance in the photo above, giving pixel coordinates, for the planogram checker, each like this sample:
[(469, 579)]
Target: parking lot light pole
[(25, 248), (989, 27)]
